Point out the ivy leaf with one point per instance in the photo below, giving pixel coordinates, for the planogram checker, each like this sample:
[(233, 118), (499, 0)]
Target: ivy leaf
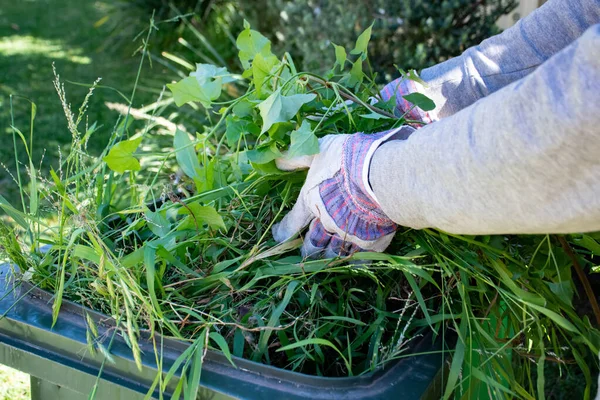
[(120, 158), (269, 168), (563, 290), (261, 69), (420, 100), (362, 42), (200, 214), (340, 56), (280, 108), (185, 154), (355, 78), (188, 90), (237, 128), (243, 108), (265, 154), (304, 142), (250, 43), (158, 223), (208, 73)]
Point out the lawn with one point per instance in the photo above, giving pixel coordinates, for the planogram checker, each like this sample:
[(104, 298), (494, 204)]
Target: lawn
[(34, 34), (14, 385)]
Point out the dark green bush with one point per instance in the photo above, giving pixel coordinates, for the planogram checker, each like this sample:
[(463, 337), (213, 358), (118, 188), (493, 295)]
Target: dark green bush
[(409, 33)]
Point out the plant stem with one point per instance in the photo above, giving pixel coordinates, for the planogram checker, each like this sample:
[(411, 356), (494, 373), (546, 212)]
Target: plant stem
[(584, 280), (349, 96)]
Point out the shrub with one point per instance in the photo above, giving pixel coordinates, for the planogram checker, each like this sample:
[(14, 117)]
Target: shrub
[(409, 33)]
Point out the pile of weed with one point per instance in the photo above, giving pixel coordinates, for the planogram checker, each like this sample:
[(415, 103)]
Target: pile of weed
[(178, 242)]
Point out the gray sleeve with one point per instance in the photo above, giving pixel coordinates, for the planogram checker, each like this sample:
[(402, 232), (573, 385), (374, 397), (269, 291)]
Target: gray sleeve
[(525, 159), (507, 57)]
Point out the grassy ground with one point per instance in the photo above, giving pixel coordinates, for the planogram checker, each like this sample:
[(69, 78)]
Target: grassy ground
[(33, 35), (14, 385)]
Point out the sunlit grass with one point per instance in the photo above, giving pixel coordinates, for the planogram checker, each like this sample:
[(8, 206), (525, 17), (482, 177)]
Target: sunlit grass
[(14, 385), (51, 49)]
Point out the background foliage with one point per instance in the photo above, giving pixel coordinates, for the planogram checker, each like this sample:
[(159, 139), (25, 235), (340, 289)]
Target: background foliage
[(409, 33)]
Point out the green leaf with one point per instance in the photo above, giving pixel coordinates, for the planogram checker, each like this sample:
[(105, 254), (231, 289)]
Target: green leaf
[(250, 43), (457, 360), (269, 168), (12, 212), (264, 155), (355, 78), (185, 154), (208, 73), (280, 108), (344, 319), (222, 343), (317, 342), (555, 317), (158, 223), (263, 342), (375, 116), (304, 142), (203, 214), (239, 343), (120, 158), (188, 90), (421, 101), (237, 127), (564, 290), (340, 56), (589, 243), (243, 108), (262, 68), (412, 75), (362, 42), (149, 264), (193, 383)]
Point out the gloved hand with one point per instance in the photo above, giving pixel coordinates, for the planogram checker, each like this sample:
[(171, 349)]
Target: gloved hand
[(402, 87), (337, 200)]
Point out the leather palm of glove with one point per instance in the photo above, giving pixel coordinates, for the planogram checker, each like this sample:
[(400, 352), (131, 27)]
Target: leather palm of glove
[(336, 199)]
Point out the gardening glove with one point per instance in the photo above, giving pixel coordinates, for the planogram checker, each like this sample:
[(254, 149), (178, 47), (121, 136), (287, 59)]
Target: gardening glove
[(336, 199), (402, 87)]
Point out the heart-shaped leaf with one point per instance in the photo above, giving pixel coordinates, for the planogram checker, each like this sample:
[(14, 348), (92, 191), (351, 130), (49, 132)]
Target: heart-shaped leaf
[(280, 108), (120, 157)]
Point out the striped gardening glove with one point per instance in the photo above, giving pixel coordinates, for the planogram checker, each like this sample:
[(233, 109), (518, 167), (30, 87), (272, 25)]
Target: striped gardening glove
[(336, 200), (403, 87)]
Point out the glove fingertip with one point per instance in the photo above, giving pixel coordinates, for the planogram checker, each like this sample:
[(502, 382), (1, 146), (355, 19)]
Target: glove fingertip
[(279, 233), (294, 163)]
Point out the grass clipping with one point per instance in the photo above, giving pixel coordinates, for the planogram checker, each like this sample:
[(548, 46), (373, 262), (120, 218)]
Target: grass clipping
[(189, 254)]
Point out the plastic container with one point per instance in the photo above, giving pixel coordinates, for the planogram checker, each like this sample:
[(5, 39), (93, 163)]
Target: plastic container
[(60, 360)]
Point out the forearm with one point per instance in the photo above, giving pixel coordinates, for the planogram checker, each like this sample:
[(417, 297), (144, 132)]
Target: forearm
[(525, 159), (502, 59)]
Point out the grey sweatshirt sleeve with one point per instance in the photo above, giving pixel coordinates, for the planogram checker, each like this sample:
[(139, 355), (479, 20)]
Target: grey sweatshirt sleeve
[(525, 159), (505, 58)]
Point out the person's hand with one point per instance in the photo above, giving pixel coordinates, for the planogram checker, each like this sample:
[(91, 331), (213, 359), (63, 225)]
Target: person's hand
[(337, 200), (402, 87)]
